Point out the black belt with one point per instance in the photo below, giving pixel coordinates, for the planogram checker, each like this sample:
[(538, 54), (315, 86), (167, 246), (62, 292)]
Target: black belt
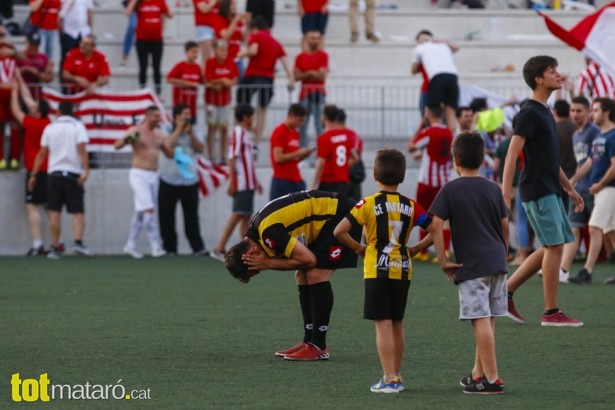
[(65, 174)]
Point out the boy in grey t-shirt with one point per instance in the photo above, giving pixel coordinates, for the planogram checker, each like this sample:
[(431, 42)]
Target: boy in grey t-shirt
[(478, 217)]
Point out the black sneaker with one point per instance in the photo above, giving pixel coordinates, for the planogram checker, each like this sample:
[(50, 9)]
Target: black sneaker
[(40, 251), (582, 277), (484, 387), (468, 380)]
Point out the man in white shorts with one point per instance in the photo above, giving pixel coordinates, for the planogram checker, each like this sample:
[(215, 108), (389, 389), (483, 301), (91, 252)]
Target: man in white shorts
[(602, 186), (146, 140)]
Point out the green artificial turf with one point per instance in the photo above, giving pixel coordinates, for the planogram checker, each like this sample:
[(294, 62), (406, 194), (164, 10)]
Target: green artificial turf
[(196, 338)]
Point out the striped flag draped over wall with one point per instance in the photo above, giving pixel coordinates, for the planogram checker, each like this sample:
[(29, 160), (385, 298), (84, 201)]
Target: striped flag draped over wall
[(594, 36), (108, 114)]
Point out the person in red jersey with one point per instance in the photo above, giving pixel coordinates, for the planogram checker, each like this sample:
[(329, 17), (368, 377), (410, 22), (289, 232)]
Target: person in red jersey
[(311, 67), (33, 122), (150, 25), (186, 77), (205, 12), (85, 68), (232, 27), (44, 15), (335, 155), (35, 67), (286, 154), (433, 146), (264, 51), (357, 170), (221, 74), (8, 68)]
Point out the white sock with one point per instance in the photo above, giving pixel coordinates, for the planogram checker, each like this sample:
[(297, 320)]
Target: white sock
[(136, 225), (151, 227), (37, 243)]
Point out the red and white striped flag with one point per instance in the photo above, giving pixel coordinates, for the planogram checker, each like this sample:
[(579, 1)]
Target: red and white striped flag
[(211, 175), (107, 114), (594, 36)]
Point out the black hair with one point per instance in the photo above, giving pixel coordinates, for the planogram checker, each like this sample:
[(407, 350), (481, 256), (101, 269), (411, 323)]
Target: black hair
[(330, 112), (189, 45), (469, 150), (429, 33), (150, 109), (235, 264), (460, 110), (435, 110), (478, 104), (259, 22), (390, 166), (242, 111), (65, 108), (581, 100), (607, 104), (224, 9), (562, 108), (341, 116), (43, 108), (297, 110), (536, 67)]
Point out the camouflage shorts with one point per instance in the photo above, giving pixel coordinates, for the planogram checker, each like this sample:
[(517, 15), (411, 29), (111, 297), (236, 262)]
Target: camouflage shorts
[(483, 297)]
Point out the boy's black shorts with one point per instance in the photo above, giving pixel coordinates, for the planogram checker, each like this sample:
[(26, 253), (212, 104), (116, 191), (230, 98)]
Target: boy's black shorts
[(385, 299)]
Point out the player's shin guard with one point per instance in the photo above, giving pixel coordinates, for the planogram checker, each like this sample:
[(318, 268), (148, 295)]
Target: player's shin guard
[(136, 225), (322, 304), (305, 301)]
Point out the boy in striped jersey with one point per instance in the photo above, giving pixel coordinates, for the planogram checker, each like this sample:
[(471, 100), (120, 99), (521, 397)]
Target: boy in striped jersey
[(388, 218), (242, 178)]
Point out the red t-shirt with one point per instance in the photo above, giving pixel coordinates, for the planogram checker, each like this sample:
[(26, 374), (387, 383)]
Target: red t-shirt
[(358, 141), (334, 146), (216, 70), (308, 62), (183, 94), (313, 6), (204, 19), (234, 42), (435, 141), (269, 50), (38, 61), (46, 17), (91, 69), (33, 131), (289, 141), (149, 19)]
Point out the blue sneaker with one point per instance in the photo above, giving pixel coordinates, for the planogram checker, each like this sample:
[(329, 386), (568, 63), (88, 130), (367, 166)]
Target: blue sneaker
[(392, 386)]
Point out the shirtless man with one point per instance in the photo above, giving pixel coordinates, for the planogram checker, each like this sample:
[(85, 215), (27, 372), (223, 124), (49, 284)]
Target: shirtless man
[(147, 140)]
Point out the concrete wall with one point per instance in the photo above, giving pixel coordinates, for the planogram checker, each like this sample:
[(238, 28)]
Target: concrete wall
[(109, 208)]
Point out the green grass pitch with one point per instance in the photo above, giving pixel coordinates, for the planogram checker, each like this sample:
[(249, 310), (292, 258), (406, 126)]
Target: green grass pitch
[(183, 328)]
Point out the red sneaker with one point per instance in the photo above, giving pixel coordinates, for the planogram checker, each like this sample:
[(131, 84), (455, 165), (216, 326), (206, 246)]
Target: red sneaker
[(295, 348), (513, 314), (309, 353), (559, 319)]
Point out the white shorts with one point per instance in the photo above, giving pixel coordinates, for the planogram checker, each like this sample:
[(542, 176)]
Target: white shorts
[(204, 33), (218, 115), (483, 297), (603, 214), (144, 186)]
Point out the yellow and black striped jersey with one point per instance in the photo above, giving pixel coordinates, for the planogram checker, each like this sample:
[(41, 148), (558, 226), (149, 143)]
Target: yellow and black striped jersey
[(299, 216), (388, 218)]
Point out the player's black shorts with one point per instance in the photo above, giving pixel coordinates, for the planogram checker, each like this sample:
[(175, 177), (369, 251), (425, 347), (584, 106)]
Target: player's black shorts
[(443, 88), (250, 85), (330, 253), (63, 189), (38, 195), (385, 299), (243, 202)]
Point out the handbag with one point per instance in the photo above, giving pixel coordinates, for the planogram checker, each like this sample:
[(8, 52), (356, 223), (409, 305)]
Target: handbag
[(357, 172)]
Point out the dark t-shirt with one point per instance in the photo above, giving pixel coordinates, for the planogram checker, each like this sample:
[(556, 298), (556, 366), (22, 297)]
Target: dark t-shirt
[(583, 150), (474, 206), (565, 129), (540, 175), (603, 151), (501, 152)]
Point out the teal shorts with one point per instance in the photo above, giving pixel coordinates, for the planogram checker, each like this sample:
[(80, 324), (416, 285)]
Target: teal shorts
[(549, 220)]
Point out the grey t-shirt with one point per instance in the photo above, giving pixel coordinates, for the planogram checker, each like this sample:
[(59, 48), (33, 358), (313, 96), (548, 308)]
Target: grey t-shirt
[(474, 206)]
